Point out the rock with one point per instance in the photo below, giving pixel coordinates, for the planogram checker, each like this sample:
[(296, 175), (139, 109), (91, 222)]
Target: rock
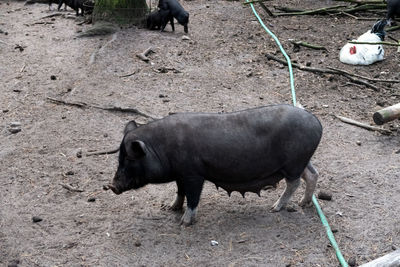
[(324, 195), (91, 199), (358, 143), (79, 154), (214, 243), (138, 243), (53, 77), (14, 263), (15, 124), (352, 261), (14, 130), (70, 173), (185, 38), (291, 209), (36, 219)]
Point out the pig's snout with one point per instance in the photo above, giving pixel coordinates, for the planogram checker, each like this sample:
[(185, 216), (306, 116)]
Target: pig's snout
[(114, 189)]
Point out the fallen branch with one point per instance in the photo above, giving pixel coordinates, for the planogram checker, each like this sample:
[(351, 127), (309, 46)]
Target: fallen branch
[(364, 77), (143, 56), (70, 188), (111, 108), (375, 43), (318, 11), (363, 125), (52, 15), (308, 45), (362, 2), (387, 114), (350, 76), (104, 152), (391, 29), (266, 9), (254, 1)]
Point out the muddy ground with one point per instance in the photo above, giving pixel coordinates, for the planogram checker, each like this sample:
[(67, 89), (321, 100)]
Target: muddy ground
[(221, 68)]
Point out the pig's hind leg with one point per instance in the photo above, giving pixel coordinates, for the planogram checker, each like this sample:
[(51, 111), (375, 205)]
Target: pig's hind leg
[(310, 176), (177, 204), (291, 186)]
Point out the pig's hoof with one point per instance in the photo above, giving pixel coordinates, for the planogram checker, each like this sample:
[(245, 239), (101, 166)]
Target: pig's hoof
[(177, 205), (276, 207), (188, 217), (305, 203)]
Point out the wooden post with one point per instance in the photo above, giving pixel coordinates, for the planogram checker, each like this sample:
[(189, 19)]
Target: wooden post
[(391, 259), (387, 114)]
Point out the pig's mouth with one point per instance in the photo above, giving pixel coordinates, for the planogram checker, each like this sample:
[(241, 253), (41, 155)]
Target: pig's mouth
[(113, 188)]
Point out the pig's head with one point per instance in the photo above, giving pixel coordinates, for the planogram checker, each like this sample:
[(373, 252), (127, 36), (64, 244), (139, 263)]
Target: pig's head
[(138, 164)]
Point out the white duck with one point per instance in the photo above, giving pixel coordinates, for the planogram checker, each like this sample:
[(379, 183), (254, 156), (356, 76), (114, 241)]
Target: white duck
[(365, 54)]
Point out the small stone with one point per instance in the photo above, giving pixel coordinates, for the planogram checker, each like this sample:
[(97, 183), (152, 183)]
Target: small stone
[(14, 130), (79, 154), (185, 38), (53, 77), (91, 199), (358, 143), (70, 173), (334, 230), (14, 263), (15, 124), (394, 247), (5, 110), (325, 195), (308, 64), (36, 219), (291, 209), (352, 261), (138, 243), (214, 243), (105, 135)]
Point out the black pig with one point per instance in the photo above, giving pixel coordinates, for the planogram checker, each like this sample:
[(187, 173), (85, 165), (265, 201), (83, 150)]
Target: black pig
[(242, 151), (158, 20), (393, 9), (177, 11)]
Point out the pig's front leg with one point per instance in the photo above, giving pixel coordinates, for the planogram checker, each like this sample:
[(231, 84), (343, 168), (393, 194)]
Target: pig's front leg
[(192, 186), (180, 198)]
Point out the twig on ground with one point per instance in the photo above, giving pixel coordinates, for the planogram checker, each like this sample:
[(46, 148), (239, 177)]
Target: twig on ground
[(254, 1), (104, 152), (94, 54), (70, 188), (111, 108), (308, 45), (375, 43), (127, 75), (143, 56), (266, 9), (363, 125), (52, 15), (394, 28)]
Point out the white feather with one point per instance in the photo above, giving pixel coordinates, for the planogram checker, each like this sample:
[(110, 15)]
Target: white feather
[(365, 54)]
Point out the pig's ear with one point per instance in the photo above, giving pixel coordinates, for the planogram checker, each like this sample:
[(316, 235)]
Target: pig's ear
[(137, 149), (130, 126)]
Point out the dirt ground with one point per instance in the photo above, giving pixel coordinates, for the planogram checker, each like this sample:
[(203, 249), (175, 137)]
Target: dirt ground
[(221, 68)]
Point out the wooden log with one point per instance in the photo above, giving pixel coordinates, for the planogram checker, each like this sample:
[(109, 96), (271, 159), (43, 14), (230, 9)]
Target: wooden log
[(391, 259), (387, 114), (363, 125)]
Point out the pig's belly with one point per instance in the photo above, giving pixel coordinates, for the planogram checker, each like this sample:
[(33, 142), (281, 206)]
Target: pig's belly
[(253, 185)]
